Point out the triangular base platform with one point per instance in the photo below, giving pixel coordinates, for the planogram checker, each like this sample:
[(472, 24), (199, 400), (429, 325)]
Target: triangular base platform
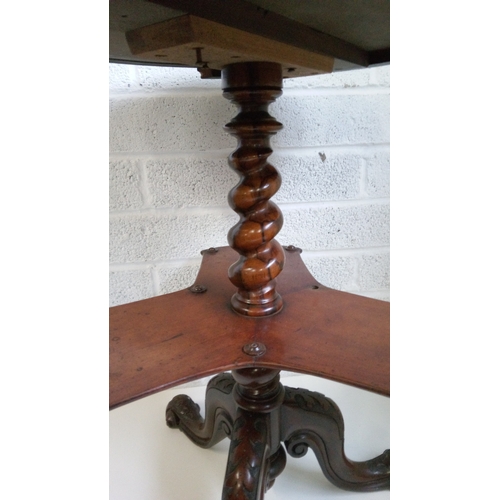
[(164, 341)]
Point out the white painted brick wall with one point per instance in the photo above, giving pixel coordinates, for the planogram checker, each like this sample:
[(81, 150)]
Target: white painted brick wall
[(169, 177)]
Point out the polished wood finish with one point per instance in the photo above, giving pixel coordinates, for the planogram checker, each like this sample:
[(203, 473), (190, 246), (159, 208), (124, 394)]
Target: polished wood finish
[(258, 414), (194, 41), (320, 331), (253, 86)]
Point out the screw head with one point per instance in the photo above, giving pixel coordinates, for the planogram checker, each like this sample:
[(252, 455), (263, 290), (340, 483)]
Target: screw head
[(198, 289), (292, 248), (254, 349), (210, 250)]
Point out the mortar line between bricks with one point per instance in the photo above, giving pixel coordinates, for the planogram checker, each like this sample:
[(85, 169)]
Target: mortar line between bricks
[(175, 211), (361, 148), (225, 210), (155, 280), (143, 184), (161, 93), (355, 275), (217, 92), (358, 202), (363, 181), (371, 294), (145, 155), (175, 263), (345, 252), (335, 91)]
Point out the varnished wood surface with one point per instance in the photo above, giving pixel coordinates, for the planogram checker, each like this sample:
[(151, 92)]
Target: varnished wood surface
[(164, 341), (258, 419), (252, 87)]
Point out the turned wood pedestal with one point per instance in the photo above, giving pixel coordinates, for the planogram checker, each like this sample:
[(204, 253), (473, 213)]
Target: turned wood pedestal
[(253, 311)]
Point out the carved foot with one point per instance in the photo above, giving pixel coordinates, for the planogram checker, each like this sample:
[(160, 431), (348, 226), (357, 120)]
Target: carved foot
[(251, 468), (311, 420), (182, 413), (277, 464)]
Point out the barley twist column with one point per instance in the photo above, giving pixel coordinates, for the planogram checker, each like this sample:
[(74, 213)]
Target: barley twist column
[(253, 86)]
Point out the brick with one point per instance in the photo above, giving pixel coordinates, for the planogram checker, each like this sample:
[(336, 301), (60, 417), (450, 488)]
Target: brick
[(189, 182), (337, 272), (151, 238), (161, 78), (381, 75), (378, 175), (124, 188), (156, 124), (189, 123), (318, 176), (328, 228), (119, 78), (182, 182), (374, 271), (379, 295), (321, 120), (173, 279), (337, 79), (129, 286)]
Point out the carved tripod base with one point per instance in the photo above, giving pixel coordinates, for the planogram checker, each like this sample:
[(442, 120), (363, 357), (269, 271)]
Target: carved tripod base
[(258, 414)]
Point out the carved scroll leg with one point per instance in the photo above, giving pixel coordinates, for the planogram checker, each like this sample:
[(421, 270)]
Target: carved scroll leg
[(311, 420), (182, 413), (251, 468)]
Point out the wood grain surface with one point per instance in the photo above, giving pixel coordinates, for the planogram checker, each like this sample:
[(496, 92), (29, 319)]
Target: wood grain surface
[(320, 331), (194, 41)]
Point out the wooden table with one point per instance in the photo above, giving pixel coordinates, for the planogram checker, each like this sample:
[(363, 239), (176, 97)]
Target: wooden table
[(271, 314)]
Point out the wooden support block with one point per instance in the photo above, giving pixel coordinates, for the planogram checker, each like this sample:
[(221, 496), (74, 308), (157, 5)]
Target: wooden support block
[(201, 43)]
